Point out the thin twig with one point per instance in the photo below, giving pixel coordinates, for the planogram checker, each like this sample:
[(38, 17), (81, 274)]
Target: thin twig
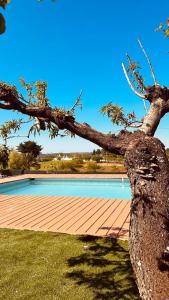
[(26, 122), (149, 62), (137, 75), (130, 84), (16, 136), (23, 99), (76, 103), (133, 89)]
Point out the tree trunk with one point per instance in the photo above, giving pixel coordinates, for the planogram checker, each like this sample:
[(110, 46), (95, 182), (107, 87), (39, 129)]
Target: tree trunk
[(148, 171)]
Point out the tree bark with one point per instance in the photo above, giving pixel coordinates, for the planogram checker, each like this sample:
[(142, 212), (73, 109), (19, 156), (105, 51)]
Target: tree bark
[(153, 117), (148, 171)]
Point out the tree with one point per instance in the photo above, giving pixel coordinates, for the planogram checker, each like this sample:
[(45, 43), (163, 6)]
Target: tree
[(16, 161), (30, 151), (4, 156), (145, 159), (96, 158), (30, 147), (97, 151), (146, 162)]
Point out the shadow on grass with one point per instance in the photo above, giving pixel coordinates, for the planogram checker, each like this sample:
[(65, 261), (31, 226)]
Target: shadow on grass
[(104, 266)]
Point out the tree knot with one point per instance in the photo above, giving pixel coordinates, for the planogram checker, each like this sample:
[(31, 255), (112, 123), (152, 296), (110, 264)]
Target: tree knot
[(156, 91)]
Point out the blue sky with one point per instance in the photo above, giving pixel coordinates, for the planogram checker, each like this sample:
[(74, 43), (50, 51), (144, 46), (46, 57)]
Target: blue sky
[(80, 44)]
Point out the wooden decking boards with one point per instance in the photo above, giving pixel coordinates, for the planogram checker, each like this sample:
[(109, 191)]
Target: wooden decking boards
[(73, 215)]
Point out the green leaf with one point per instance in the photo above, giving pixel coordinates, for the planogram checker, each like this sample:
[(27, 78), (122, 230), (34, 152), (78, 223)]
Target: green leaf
[(2, 24), (167, 32)]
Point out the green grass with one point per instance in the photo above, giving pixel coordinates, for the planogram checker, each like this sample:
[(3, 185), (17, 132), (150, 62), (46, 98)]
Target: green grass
[(47, 266)]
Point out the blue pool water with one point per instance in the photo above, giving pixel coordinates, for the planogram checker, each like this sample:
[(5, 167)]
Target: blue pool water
[(100, 188)]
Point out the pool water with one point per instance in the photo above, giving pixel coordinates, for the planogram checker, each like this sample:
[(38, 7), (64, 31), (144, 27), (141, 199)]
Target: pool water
[(99, 188)]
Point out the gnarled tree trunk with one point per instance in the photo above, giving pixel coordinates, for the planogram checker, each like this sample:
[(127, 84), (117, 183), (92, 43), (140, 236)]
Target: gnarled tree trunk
[(148, 171)]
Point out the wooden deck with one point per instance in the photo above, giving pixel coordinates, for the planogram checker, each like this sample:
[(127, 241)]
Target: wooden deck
[(73, 215)]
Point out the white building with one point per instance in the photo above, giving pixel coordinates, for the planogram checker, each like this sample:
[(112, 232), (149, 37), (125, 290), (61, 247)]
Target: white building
[(65, 158)]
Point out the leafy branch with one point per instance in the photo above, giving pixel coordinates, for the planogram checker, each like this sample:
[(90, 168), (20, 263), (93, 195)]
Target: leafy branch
[(36, 93), (164, 27), (134, 71), (10, 127), (117, 116), (35, 99)]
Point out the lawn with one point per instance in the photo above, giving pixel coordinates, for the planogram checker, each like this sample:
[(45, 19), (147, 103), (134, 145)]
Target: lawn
[(49, 266)]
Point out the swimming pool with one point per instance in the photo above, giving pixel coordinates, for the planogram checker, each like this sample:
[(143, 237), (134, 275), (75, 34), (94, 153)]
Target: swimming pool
[(99, 188)]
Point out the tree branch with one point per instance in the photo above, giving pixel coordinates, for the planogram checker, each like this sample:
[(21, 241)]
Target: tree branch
[(133, 89), (77, 103), (117, 144), (16, 136), (112, 143), (130, 84), (149, 62), (135, 72)]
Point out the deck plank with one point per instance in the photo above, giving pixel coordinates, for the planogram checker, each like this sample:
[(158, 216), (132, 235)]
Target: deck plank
[(117, 226), (114, 218), (71, 216)]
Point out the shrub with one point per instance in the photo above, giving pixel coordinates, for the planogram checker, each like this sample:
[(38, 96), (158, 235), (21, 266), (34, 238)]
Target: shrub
[(79, 161), (60, 166), (117, 169), (96, 158), (16, 161), (92, 166), (4, 156)]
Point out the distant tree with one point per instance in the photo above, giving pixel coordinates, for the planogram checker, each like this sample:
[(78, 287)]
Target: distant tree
[(30, 151), (16, 161), (97, 151), (96, 158), (4, 156), (30, 147)]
